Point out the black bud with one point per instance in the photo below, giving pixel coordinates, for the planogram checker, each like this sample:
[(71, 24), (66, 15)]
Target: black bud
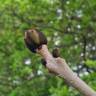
[(43, 62), (34, 39), (56, 53)]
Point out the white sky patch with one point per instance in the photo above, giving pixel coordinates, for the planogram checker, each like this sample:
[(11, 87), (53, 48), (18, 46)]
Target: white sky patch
[(68, 29), (51, 22), (16, 82), (87, 48), (89, 45), (76, 38), (89, 35), (59, 11), (93, 48), (81, 43), (75, 46), (81, 75), (79, 13), (28, 62), (39, 72), (74, 68), (87, 53), (67, 2), (81, 54), (86, 73), (48, 38), (79, 66), (57, 42), (78, 26), (56, 34)]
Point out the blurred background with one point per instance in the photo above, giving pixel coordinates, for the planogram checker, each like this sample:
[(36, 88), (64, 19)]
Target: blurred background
[(68, 24)]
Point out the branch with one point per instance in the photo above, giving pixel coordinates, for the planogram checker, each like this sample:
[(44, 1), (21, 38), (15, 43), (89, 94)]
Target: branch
[(57, 65)]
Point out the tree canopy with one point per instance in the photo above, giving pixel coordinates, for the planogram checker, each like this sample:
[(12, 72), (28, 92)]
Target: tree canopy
[(68, 24)]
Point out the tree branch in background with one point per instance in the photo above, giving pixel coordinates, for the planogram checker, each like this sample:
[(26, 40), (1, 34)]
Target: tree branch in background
[(37, 43)]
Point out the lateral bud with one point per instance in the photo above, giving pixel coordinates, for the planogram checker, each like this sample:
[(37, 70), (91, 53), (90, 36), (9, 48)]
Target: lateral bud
[(56, 52), (43, 61)]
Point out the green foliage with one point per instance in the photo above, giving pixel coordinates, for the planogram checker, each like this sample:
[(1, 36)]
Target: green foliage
[(59, 91), (67, 24), (91, 63)]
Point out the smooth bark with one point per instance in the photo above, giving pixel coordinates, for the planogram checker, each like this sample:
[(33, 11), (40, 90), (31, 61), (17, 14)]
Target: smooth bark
[(60, 67)]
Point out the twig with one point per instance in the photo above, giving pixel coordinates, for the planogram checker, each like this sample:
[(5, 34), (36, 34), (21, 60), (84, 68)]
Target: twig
[(60, 67), (37, 43)]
